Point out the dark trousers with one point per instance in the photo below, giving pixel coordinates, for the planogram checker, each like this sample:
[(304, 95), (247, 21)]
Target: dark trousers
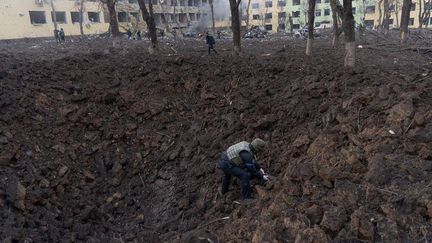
[(211, 47), (229, 170)]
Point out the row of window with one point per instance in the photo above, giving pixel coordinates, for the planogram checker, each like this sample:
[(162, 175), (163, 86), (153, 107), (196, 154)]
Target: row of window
[(282, 3), (371, 23), (368, 23), (190, 3), (38, 17), (369, 9), (295, 14)]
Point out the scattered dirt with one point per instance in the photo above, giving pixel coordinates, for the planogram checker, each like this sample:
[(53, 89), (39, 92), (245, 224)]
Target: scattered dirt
[(103, 144)]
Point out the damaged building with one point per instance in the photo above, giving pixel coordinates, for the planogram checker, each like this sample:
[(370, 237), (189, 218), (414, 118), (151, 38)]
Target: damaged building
[(35, 18), (274, 15)]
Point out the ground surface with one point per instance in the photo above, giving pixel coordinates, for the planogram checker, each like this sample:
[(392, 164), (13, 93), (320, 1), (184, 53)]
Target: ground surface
[(103, 144)]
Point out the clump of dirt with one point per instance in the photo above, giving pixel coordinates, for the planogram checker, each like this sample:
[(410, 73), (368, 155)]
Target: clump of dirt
[(107, 144)]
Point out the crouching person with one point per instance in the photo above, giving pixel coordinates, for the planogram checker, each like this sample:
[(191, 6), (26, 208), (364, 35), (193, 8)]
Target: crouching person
[(239, 161)]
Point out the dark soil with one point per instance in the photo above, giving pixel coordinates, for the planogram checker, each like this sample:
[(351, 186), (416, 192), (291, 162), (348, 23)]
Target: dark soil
[(103, 144)]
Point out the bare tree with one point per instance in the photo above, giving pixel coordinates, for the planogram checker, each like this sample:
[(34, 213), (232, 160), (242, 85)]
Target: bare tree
[(114, 27), (213, 17), (386, 17), (396, 10), (235, 25), (349, 33), (337, 11), (406, 8), (81, 17), (247, 14), (290, 21), (281, 17), (311, 21), (54, 15), (148, 17)]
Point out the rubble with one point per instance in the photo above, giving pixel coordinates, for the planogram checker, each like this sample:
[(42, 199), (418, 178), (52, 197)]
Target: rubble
[(122, 146)]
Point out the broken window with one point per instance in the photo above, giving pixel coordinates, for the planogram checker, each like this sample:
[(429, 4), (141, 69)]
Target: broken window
[(428, 6), (192, 17), (369, 23), (268, 16), (391, 8), (37, 17), (268, 4), (182, 18), (135, 15), (59, 16), (413, 5), (411, 21), (353, 10), (296, 14), (75, 17), (122, 17), (94, 17), (281, 3), (296, 26), (255, 16), (255, 5), (370, 9), (318, 12), (281, 27), (326, 12), (282, 15), (268, 27), (295, 2), (190, 2), (197, 3)]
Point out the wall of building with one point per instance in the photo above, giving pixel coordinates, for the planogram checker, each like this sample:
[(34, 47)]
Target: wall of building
[(374, 19), (16, 21), (322, 13)]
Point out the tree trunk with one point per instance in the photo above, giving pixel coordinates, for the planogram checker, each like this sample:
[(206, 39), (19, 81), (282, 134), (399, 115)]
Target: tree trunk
[(113, 18), (81, 17), (397, 13), (247, 14), (290, 20), (311, 21), (420, 14), (148, 17), (349, 33), (235, 25), (54, 17), (406, 8), (380, 14), (213, 17), (333, 7), (164, 13), (428, 13), (386, 18)]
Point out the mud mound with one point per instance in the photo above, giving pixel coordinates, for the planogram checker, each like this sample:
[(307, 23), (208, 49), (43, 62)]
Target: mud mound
[(104, 147)]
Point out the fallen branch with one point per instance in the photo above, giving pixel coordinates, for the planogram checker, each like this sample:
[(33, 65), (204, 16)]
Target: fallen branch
[(213, 221)]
